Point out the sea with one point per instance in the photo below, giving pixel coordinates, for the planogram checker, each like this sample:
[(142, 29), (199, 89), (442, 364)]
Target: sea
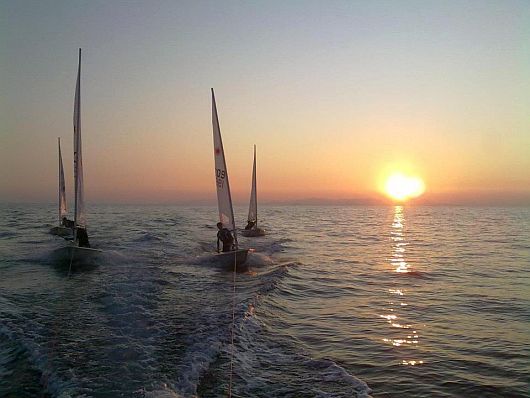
[(338, 301)]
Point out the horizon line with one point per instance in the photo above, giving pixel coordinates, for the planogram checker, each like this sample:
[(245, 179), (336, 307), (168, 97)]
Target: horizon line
[(294, 202)]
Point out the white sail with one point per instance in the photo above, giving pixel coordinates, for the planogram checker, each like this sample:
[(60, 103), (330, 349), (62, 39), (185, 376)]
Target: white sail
[(62, 189), (80, 216), (253, 207), (224, 199)]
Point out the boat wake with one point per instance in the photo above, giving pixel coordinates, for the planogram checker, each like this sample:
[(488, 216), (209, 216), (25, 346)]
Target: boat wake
[(258, 260), (262, 357), (153, 318), (29, 366), (147, 237), (276, 357)]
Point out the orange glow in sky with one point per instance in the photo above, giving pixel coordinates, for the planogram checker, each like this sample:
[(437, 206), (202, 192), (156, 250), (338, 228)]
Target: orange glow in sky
[(337, 99)]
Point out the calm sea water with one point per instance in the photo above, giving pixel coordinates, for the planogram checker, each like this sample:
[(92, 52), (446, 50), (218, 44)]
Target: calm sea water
[(340, 302)]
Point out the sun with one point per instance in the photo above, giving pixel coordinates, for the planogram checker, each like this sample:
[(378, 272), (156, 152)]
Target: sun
[(401, 187)]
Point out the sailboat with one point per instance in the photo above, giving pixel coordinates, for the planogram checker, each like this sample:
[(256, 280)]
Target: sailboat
[(237, 257), (252, 229), (78, 247), (61, 230)]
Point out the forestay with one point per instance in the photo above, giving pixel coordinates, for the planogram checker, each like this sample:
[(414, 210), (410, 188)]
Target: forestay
[(62, 189), (253, 207), (80, 216), (224, 200)]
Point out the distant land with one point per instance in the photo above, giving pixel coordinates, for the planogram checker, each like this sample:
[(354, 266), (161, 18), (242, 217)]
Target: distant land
[(446, 199)]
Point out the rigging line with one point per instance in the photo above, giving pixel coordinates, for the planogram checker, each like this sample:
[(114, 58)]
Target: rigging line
[(71, 259), (233, 326), (72, 255)]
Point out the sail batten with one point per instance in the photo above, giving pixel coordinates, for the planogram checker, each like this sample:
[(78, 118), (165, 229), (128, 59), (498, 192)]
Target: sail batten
[(253, 206), (62, 187), (79, 212), (224, 198)]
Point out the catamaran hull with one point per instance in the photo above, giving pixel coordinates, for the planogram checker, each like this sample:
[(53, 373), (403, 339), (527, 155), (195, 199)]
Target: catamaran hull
[(61, 231), (252, 233), (229, 259)]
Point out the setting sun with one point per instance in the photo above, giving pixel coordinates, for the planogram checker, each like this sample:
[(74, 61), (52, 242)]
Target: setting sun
[(401, 187)]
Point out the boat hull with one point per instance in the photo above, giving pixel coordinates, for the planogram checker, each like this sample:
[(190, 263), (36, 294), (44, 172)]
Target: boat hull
[(252, 233), (77, 257), (82, 252), (227, 260), (61, 231)]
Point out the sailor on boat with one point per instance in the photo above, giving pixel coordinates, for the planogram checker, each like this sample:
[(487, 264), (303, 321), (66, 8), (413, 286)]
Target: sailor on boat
[(67, 223), (250, 225), (224, 235)]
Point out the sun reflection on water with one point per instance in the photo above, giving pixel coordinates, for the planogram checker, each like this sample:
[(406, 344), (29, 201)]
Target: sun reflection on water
[(401, 334), (412, 363), (398, 238)]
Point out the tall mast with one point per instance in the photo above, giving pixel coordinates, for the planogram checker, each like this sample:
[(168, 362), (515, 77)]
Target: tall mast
[(60, 170), (255, 186), (77, 133)]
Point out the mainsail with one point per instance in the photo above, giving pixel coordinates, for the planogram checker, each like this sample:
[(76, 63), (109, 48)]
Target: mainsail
[(224, 199), (79, 216), (62, 189), (253, 207)]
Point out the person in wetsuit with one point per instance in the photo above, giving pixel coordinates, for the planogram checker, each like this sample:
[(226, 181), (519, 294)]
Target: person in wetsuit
[(224, 235), (82, 237), (250, 225)]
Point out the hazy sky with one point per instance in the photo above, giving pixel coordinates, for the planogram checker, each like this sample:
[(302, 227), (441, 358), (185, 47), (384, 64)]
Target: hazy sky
[(334, 94)]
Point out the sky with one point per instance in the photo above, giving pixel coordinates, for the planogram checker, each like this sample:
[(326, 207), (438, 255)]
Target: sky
[(336, 95)]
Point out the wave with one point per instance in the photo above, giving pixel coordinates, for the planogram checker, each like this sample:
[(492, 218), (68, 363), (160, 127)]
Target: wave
[(414, 274), (269, 281), (330, 371), (7, 235), (198, 358), (255, 259), (147, 237), (263, 358), (208, 348), (26, 350), (159, 390)]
